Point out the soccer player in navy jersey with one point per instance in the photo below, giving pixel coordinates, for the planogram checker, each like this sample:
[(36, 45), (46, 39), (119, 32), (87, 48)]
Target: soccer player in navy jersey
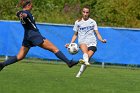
[(32, 37)]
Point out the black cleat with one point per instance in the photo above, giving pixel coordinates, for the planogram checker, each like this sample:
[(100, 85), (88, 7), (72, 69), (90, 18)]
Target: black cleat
[(71, 64), (1, 66)]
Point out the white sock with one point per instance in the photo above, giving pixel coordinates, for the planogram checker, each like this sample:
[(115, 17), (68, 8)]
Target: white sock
[(82, 69), (85, 57)]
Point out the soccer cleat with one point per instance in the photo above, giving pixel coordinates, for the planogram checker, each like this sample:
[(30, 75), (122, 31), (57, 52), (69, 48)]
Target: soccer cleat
[(72, 63), (87, 63), (78, 76), (1, 66), (81, 61)]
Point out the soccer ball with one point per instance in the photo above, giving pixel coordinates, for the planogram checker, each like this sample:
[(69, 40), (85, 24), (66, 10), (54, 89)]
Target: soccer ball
[(73, 48)]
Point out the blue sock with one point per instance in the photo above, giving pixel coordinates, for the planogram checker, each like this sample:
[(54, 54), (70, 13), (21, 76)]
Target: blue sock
[(61, 56), (11, 60)]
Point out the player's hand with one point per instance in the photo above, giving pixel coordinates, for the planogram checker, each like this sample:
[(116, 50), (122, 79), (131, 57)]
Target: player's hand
[(103, 41), (67, 45)]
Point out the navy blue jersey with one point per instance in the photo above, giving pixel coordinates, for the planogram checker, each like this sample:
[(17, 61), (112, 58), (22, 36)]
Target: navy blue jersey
[(32, 36), (27, 22)]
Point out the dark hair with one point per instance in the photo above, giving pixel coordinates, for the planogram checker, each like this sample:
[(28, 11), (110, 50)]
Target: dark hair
[(23, 3), (26, 3), (86, 6)]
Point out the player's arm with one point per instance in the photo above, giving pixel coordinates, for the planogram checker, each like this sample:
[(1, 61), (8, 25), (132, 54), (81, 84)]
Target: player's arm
[(99, 36), (22, 16), (73, 39), (75, 28)]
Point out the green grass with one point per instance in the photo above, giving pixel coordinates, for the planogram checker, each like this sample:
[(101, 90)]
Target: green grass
[(24, 77)]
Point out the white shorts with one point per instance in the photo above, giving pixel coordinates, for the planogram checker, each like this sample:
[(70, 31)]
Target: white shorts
[(89, 44)]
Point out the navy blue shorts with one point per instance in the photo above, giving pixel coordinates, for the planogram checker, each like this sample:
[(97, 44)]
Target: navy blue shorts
[(32, 38)]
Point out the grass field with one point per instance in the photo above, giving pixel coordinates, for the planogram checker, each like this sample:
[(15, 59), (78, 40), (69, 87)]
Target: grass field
[(24, 77)]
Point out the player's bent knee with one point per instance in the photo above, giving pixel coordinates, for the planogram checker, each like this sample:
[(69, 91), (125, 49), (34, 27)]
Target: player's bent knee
[(55, 50)]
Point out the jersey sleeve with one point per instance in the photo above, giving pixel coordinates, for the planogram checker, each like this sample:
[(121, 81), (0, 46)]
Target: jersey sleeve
[(18, 13), (95, 26), (21, 12), (75, 28)]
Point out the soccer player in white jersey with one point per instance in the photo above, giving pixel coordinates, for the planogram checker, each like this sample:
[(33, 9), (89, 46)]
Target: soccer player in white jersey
[(86, 29)]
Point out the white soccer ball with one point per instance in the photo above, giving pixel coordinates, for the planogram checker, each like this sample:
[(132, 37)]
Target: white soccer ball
[(73, 48)]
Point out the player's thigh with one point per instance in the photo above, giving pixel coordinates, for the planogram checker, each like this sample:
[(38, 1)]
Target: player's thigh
[(22, 53), (49, 46), (84, 48), (91, 50)]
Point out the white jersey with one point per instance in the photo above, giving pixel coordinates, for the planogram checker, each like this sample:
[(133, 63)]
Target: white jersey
[(86, 32)]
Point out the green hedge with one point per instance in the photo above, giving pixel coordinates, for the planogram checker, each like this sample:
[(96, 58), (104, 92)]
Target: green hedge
[(118, 13)]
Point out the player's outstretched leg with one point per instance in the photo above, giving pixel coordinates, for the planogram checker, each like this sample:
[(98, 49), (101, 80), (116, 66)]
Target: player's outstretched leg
[(61, 56), (51, 47), (11, 60)]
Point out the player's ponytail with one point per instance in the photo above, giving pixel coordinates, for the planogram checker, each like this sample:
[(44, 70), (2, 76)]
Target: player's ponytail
[(23, 3)]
